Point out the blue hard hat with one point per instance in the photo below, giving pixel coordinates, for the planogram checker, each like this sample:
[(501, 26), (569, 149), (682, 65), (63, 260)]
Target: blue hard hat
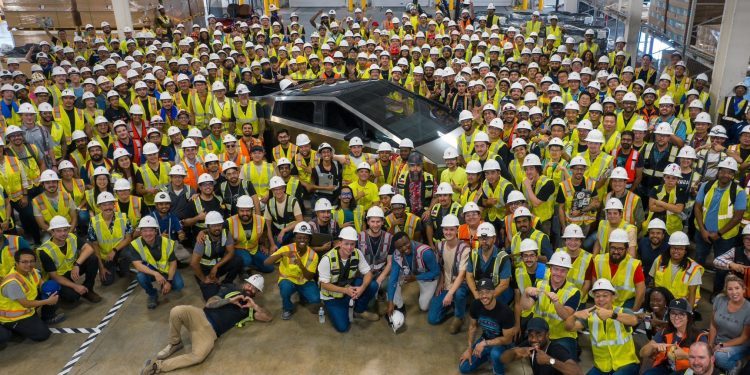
[(50, 286)]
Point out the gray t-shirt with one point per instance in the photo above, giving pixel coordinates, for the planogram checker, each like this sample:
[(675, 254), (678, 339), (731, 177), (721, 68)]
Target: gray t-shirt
[(729, 325), (13, 291)]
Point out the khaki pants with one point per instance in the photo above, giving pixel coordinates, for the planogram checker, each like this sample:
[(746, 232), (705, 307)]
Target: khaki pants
[(202, 336)]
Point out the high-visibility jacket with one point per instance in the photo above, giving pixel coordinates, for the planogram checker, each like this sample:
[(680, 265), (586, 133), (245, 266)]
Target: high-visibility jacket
[(193, 173), (622, 125), (79, 190), (63, 262), (466, 144), (211, 256), (57, 136), (557, 32), (577, 272), (544, 210), (223, 111), (515, 243), (497, 265), (517, 172), (241, 239), (653, 171), (436, 218), (629, 206), (381, 178), (245, 116), (524, 281), (428, 186), (622, 280), (679, 283), (674, 221), (598, 168), (303, 163), (152, 180), (545, 309), (498, 193), (358, 213), (280, 220), (726, 206), (533, 27), (7, 262), (278, 152), (212, 144), (134, 210), (161, 265), (69, 125), (568, 190), (349, 173), (202, 112), (605, 228), (259, 178), (611, 343), (410, 227), (30, 163), (107, 238), (11, 310), (11, 179), (336, 277), (42, 203)]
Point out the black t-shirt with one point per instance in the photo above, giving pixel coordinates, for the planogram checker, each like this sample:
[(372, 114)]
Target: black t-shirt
[(581, 197), (124, 207), (48, 265), (155, 251), (222, 319), (213, 205), (681, 197), (554, 350), (494, 321)]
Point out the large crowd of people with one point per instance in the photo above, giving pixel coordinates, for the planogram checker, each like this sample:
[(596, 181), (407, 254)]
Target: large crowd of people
[(582, 182)]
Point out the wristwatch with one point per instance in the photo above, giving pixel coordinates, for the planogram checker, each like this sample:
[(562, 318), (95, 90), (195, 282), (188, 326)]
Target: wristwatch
[(551, 361), (614, 316)]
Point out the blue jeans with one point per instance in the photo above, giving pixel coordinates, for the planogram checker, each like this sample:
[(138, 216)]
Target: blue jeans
[(437, 313), (570, 344), (254, 260), (631, 369), (727, 358), (492, 353), (146, 282), (308, 291), (720, 246), (338, 308)]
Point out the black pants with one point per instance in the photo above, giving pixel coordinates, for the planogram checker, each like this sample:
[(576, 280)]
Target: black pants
[(119, 264), (32, 328), (30, 227), (231, 269), (88, 270)]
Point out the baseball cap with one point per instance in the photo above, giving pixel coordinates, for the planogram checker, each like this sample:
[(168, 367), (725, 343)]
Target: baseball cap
[(485, 284), (680, 304), (537, 325)]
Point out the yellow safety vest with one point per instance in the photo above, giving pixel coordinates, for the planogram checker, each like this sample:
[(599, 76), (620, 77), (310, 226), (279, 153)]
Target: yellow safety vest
[(134, 210), (7, 262), (79, 190), (241, 240), (622, 126), (301, 164), (167, 248), (629, 206), (545, 210), (62, 119), (577, 272), (48, 210), (605, 228), (411, 224), (569, 193), (597, 168), (726, 207), (611, 343), (518, 173), (515, 244), (545, 309), (29, 164), (622, 280), (679, 283), (58, 138), (674, 221), (108, 238), (557, 32), (498, 210), (524, 281), (201, 112), (358, 213), (11, 178), (260, 179), (11, 310), (533, 27), (496, 266), (63, 262), (151, 180), (278, 152), (286, 269), (466, 146), (224, 112), (336, 277), (246, 116)]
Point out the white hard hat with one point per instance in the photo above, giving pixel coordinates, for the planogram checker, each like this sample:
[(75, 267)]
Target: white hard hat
[(486, 229), (148, 222), (718, 131), (376, 211), (356, 141), (640, 125), (136, 109), (473, 166), (397, 320), (687, 152), (578, 160), (619, 173), (188, 143), (491, 165), (449, 153), (150, 148), (323, 204), (602, 284), (449, 220), (470, 206), (205, 177), (703, 117), (122, 184), (406, 143), (214, 217), (613, 204), (664, 129), (521, 212), (177, 170), (497, 122), (618, 236), (105, 197), (49, 176), (58, 222), (257, 281), (276, 182), (120, 152), (387, 189), (349, 233), (673, 170), (65, 164), (531, 160), (101, 171), (78, 134), (385, 147), (398, 199), (573, 231), (517, 142), (728, 163), (595, 136), (465, 115), (679, 239), (162, 197), (302, 140), (364, 165), (244, 201), (26, 108), (515, 196), (666, 100), (560, 259), (446, 188), (528, 245), (657, 224), (303, 228)]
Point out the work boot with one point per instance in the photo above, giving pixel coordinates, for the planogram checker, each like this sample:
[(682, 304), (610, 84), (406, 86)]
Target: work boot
[(92, 297), (150, 368), (286, 315), (169, 350), (456, 325), (369, 316), (153, 301)]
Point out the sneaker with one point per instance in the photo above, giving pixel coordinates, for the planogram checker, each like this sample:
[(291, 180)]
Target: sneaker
[(150, 368), (456, 325), (366, 315), (153, 301), (92, 297), (286, 315), (169, 350), (59, 318)]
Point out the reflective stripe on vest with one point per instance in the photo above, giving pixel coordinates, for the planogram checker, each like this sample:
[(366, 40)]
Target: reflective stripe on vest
[(63, 262), (336, 277), (623, 278), (107, 239), (167, 248), (240, 237)]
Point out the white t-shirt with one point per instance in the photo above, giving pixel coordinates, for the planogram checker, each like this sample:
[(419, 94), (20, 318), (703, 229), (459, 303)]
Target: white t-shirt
[(324, 269)]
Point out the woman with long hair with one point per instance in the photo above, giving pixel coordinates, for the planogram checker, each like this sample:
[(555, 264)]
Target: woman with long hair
[(348, 213), (102, 183), (669, 347), (730, 324), (655, 316), (123, 167)]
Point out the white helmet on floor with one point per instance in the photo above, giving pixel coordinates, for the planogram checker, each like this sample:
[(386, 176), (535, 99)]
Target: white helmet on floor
[(450, 220), (618, 236), (105, 197), (375, 211), (397, 320), (322, 204), (49, 176), (573, 231), (560, 259), (657, 224), (162, 197), (213, 218), (348, 233), (58, 222), (679, 239)]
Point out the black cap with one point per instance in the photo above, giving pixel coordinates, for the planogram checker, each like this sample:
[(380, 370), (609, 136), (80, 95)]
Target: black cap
[(537, 325), (256, 148), (681, 304), (485, 284)]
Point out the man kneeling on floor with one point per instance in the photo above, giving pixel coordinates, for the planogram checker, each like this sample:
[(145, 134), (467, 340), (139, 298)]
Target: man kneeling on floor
[(233, 306)]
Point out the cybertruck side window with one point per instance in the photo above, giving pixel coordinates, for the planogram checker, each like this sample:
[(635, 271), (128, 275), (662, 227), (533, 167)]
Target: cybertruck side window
[(339, 119), (302, 111)]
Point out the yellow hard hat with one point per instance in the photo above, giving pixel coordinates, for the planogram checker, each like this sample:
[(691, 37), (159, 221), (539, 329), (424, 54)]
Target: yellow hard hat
[(301, 60)]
